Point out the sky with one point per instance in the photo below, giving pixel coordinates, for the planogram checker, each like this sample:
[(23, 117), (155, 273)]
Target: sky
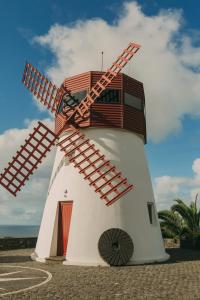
[(63, 38)]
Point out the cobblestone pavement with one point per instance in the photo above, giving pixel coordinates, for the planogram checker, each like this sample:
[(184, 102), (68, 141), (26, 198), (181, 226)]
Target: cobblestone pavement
[(178, 278)]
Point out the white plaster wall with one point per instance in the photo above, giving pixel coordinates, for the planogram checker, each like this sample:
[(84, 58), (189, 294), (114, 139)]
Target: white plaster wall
[(91, 217)]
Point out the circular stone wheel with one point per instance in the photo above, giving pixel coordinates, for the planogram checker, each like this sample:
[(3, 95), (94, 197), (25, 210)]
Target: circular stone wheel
[(115, 247)]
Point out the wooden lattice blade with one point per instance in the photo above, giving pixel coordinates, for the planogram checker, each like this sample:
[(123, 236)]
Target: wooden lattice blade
[(106, 180), (96, 91), (27, 159), (42, 88)]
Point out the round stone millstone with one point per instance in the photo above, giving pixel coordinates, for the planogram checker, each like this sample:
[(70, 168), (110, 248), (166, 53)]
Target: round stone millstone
[(115, 247)]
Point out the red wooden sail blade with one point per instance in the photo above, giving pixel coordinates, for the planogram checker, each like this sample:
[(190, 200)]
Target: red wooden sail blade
[(45, 91), (107, 181), (28, 158), (103, 82)]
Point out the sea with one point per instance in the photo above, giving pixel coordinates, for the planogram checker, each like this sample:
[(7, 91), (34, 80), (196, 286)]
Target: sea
[(18, 231)]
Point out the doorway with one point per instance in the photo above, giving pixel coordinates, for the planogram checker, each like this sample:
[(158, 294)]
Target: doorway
[(64, 218)]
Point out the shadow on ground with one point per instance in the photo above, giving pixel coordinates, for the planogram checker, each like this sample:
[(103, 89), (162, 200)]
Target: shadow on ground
[(180, 255), (176, 255), (14, 259)]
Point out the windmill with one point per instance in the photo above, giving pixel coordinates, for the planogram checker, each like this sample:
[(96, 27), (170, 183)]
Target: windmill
[(74, 224)]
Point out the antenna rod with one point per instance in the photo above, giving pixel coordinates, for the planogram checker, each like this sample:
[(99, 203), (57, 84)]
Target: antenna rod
[(101, 61)]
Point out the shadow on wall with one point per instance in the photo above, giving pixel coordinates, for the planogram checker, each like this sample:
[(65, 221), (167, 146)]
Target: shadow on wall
[(109, 134)]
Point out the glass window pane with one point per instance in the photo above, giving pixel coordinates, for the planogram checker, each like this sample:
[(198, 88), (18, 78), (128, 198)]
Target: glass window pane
[(132, 101), (151, 212), (149, 205), (72, 99), (109, 96)]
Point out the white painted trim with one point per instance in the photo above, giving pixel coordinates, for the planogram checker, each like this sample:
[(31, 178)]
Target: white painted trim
[(42, 260), (36, 258), (79, 263), (149, 261)]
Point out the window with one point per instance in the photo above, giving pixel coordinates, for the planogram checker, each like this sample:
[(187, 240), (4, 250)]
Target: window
[(133, 101), (109, 96), (151, 212), (72, 100)]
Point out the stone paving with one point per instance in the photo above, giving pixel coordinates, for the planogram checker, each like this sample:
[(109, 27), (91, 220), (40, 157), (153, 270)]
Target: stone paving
[(178, 278)]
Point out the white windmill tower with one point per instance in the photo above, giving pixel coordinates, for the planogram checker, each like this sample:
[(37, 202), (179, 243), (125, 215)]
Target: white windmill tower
[(99, 130)]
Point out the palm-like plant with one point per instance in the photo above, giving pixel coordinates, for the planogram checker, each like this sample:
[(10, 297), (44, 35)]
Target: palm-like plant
[(181, 220), (171, 223)]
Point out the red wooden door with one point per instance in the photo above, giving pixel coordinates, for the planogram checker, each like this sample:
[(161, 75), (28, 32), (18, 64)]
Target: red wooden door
[(64, 218)]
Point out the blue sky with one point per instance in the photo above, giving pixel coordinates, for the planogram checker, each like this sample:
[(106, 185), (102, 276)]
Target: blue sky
[(171, 155)]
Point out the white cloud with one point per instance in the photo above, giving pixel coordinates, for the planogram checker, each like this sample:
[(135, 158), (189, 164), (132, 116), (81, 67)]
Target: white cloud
[(27, 207), (168, 188), (167, 62), (196, 168)]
